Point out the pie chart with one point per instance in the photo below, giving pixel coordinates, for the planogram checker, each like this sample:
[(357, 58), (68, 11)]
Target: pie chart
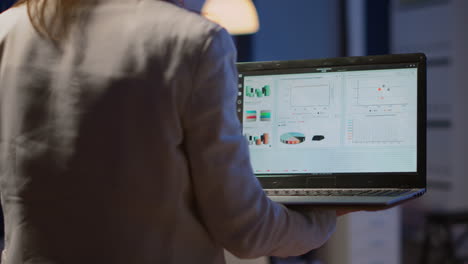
[(292, 138)]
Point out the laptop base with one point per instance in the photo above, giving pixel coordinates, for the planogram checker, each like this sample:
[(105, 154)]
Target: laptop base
[(346, 200)]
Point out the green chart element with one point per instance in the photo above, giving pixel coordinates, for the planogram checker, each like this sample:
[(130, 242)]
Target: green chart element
[(257, 92), (265, 115)]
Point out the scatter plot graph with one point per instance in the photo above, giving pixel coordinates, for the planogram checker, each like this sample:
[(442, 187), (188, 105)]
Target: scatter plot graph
[(371, 92)]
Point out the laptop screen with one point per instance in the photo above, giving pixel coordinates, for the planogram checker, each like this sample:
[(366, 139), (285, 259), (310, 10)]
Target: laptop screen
[(355, 118)]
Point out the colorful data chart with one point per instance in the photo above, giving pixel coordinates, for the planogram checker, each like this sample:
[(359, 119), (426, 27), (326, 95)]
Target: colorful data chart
[(251, 115), (257, 92), (292, 138), (265, 115), (263, 139)]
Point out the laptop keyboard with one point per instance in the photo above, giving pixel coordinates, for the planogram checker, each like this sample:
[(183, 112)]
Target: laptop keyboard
[(331, 192)]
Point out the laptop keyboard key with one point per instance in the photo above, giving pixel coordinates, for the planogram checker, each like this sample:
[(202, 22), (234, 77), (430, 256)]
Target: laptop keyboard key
[(350, 192)]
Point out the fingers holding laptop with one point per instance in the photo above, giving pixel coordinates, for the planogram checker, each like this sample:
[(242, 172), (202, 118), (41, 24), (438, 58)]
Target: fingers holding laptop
[(342, 210)]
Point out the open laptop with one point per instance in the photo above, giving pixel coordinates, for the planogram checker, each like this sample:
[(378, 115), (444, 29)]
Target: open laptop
[(339, 131)]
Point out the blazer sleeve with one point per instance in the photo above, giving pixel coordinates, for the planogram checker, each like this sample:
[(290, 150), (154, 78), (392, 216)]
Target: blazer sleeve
[(230, 200)]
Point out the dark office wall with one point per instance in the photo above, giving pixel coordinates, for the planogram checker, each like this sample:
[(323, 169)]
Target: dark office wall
[(377, 26), (5, 4), (297, 29)]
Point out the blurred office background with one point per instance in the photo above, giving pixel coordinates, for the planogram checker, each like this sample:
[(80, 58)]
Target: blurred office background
[(434, 228)]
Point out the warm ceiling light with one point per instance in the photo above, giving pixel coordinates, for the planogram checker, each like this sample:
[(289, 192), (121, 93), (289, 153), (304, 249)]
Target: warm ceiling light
[(239, 17)]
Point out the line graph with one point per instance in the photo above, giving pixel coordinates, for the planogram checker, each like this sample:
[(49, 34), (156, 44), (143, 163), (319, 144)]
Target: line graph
[(310, 95)]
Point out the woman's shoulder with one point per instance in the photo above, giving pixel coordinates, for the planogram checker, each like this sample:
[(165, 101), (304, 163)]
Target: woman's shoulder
[(180, 21), (10, 18), (162, 23)]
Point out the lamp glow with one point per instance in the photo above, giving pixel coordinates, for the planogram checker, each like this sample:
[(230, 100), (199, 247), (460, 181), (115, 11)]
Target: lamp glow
[(239, 17)]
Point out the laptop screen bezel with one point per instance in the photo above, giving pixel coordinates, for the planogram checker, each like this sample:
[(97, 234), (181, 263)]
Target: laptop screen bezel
[(349, 180)]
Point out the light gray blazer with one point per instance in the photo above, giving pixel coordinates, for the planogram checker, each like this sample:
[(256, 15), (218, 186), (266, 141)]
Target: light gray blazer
[(123, 146)]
